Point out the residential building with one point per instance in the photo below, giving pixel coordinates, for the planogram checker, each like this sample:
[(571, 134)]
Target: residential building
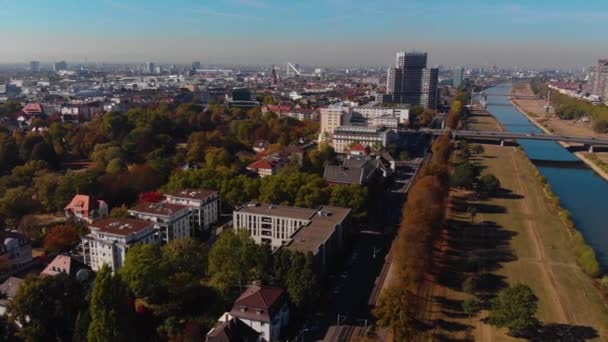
[(172, 221), (204, 206), (63, 264), (346, 136), (355, 171), (457, 77), (269, 165), (318, 231), (15, 248), (600, 79), (263, 308), (410, 82), (86, 208), (260, 145), (233, 329), (333, 117), (35, 66), (402, 113), (59, 66), (111, 238), (8, 291)]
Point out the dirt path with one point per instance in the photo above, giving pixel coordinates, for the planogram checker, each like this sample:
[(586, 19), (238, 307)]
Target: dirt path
[(539, 249)]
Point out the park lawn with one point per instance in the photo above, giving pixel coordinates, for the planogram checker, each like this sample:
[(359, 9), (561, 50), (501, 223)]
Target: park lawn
[(545, 260)]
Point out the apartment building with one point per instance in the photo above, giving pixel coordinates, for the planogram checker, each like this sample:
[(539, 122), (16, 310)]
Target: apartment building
[(204, 206), (111, 238), (172, 221)]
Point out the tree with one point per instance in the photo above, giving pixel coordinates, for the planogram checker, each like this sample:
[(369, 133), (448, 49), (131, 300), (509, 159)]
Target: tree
[(471, 306), (47, 307), (111, 309), (350, 196), (302, 284), (395, 311), (489, 184), (231, 260), (515, 308), (151, 197), (16, 203), (116, 166), (186, 256), (60, 238), (143, 272), (463, 176), (120, 212)]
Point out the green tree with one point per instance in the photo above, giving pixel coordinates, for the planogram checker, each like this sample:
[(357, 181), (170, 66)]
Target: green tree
[(471, 306), (47, 307), (116, 166), (186, 256), (515, 308), (463, 176), (120, 212), (16, 203), (489, 184), (232, 260), (112, 314), (350, 196), (143, 272), (302, 284)]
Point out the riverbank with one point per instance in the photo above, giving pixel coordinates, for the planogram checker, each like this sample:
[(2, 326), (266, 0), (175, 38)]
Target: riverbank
[(533, 246), (529, 108)]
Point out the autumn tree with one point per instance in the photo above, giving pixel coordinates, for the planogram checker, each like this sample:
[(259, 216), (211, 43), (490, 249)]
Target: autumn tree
[(396, 311), (61, 238), (515, 308)]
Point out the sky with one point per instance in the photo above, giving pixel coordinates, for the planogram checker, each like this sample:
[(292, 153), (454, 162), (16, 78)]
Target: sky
[(529, 33)]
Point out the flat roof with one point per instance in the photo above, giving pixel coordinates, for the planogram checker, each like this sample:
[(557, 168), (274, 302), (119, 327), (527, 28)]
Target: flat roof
[(158, 208), (310, 237), (276, 210), (199, 194), (120, 226)]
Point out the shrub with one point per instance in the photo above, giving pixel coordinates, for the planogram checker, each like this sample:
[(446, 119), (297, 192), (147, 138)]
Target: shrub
[(588, 262), (600, 126)]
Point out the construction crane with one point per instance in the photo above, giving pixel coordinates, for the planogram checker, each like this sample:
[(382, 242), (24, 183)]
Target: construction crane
[(292, 70)]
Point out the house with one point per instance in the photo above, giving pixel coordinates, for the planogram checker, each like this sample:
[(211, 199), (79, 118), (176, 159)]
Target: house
[(63, 264), (86, 208), (260, 145), (357, 150), (269, 165), (110, 239), (233, 329), (15, 248), (264, 309), (355, 171), (204, 206), (8, 291), (172, 221)]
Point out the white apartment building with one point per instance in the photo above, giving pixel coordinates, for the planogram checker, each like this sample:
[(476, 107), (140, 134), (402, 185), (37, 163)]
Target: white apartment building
[(345, 136), (369, 112), (333, 117), (319, 231), (171, 220), (204, 206), (111, 238)]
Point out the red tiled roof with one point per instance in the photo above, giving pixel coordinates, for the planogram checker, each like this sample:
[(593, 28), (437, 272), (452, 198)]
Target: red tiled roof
[(32, 108), (120, 226), (260, 164), (84, 202), (264, 298)]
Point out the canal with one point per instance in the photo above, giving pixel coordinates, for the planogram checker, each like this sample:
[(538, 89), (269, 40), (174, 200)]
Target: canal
[(581, 191)]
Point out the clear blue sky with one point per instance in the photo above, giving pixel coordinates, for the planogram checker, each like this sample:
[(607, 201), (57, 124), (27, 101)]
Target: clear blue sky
[(515, 32)]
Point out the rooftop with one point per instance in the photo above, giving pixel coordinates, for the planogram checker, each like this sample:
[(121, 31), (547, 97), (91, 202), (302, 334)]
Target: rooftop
[(158, 208), (259, 297), (200, 194), (309, 238), (277, 210), (119, 226)]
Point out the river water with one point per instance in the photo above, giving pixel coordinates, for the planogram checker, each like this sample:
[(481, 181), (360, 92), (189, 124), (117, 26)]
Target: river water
[(581, 191)]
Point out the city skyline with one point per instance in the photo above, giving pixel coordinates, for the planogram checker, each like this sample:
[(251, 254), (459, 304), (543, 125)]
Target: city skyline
[(323, 32)]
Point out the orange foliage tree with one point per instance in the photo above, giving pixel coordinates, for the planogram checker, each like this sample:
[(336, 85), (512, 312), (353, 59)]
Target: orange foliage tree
[(60, 238)]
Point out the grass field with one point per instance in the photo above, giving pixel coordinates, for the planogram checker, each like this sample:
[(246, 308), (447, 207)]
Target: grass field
[(516, 237)]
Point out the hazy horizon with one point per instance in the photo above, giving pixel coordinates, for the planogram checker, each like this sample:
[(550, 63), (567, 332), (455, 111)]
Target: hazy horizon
[(547, 34)]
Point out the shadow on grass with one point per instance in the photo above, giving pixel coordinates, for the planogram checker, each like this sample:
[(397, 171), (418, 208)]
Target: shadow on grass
[(563, 332)]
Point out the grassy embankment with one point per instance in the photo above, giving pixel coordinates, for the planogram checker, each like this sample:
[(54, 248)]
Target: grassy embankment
[(518, 236)]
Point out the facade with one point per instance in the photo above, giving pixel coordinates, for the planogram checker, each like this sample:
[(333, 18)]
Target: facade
[(264, 309), (401, 113), (268, 165), (111, 238), (58, 66), (172, 221), (333, 117), (457, 77), (86, 208), (346, 136), (204, 206), (233, 329), (318, 231), (35, 66), (15, 248), (410, 82), (600, 79)]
